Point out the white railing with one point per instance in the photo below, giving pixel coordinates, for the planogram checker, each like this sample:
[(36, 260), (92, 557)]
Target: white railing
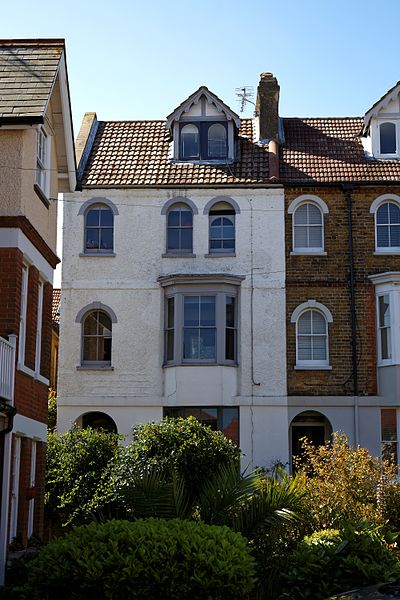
[(7, 367)]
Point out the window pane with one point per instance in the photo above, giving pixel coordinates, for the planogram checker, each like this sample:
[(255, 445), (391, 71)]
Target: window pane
[(215, 232), (319, 347), (394, 236), (93, 217), (229, 232), (173, 239), (90, 348), (314, 215), (170, 312), (304, 322), (382, 214), (394, 213), (315, 237), (90, 324), (382, 236), (191, 343), (228, 244), (207, 343), (174, 218), (170, 344), (208, 416), (230, 311), (105, 349), (389, 425), (384, 311), (207, 311), (318, 322), (230, 335), (216, 140), (186, 239), (215, 221), (186, 218), (106, 239), (191, 311), (92, 239), (300, 237), (300, 216), (190, 141), (388, 138), (215, 244), (106, 218), (304, 347), (230, 423), (385, 343)]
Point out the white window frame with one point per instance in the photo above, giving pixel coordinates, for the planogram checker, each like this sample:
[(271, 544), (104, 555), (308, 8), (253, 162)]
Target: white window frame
[(43, 162), (323, 207), (376, 138), (32, 483), (22, 318), (388, 284), (376, 204), (39, 323), (384, 361), (16, 462), (322, 365)]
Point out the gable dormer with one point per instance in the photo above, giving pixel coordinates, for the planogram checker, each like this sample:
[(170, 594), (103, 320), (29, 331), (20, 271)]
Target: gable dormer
[(203, 129), (382, 124)]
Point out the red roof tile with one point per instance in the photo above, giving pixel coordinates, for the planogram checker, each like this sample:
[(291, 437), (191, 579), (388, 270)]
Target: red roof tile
[(55, 312)]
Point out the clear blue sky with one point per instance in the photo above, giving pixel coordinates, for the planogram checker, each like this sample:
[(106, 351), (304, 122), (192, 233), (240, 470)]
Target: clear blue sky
[(139, 60)]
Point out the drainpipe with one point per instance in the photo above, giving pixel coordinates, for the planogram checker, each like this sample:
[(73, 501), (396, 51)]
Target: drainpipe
[(347, 189)]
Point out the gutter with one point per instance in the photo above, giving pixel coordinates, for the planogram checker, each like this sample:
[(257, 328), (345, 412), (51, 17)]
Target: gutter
[(33, 120)]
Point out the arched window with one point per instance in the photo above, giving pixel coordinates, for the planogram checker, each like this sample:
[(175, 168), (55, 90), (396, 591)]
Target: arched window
[(99, 420), (97, 333), (222, 229), (190, 141), (99, 229), (387, 223), (312, 348), (308, 228), (217, 141), (180, 229), (387, 138)]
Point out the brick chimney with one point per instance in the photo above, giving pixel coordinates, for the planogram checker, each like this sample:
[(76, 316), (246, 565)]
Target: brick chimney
[(267, 107)]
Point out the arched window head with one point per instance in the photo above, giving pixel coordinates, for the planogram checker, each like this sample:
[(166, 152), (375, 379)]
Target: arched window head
[(387, 138), (308, 228), (387, 222), (190, 141), (217, 141), (99, 229), (180, 229), (222, 229), (97, 333)]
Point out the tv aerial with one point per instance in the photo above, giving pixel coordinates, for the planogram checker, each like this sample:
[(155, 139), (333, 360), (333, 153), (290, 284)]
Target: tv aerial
[(244, 95)]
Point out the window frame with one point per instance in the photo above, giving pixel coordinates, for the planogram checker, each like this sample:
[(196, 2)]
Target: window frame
[(389, 360), (305, 249), (203, 126), (221, 291), (384, 249), (377, 136), (323, 207), (178, 251), (95, 364), (98, 251), (43, 162), (23, 315), (231, 215), (312, 305)]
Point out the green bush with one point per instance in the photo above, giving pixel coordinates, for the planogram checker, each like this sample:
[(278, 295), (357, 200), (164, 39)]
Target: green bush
[(332, 561), (79, 473), (152, 558), (193, 450)]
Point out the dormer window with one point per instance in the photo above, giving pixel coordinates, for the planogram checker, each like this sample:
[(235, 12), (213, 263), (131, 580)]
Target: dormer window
[(203, 141), (381, 129), (387, 138)]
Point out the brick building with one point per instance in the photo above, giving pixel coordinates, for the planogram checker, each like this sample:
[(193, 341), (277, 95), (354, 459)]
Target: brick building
[(36, 163)]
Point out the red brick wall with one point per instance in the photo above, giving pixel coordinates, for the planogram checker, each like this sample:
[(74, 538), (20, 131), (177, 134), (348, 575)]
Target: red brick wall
[(31, 317), (326, 279), (10, 290)]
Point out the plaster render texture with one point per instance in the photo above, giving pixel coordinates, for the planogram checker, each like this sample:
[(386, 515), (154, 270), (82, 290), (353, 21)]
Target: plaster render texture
[(138, 387)]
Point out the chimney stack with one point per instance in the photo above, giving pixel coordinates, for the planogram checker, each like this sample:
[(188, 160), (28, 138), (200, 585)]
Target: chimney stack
[(267, 107)]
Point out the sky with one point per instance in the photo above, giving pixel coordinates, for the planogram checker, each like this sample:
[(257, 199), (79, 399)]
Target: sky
[(140, 59)]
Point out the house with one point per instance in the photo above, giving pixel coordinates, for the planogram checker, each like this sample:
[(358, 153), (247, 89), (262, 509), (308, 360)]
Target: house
[(37, 162), (240, 270)]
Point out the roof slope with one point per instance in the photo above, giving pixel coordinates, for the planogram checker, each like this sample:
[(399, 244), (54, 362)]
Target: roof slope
[(27, 72), (136, 153), (55, 309), (330, 150)]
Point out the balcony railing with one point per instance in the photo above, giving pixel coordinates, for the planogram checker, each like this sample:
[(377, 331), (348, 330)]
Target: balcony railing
[(7, 367)]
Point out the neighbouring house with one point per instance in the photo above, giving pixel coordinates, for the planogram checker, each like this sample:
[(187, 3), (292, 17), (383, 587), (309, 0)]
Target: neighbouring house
[(242, 270), (55, 337), (37, 161)]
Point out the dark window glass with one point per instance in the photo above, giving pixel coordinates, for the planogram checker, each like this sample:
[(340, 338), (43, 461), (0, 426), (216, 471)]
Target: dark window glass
[(203, 141), (99, 420), (225, 419), (312, 337), (222, 231), (388, 225), (99, 226), (180, 229), (190, 142), (199, 337), (170, 329), (230, 328), (97, 337), (387, 133), (217, 146)]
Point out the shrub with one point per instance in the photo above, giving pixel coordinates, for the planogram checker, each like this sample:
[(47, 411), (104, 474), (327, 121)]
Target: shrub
[(192, 449), (152, 558), (79, 473), (345, 484), (52, 410), (332, 561)]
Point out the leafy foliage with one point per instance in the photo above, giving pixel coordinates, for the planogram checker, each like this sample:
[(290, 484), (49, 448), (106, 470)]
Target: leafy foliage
[(80, 473), (150, 558), (191, 449), (343, 483), (52, 410), (331, 561)]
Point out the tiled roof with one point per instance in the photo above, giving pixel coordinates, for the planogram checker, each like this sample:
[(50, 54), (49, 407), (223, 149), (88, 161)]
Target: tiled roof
[(330, 150), (130, 153), (316, 150), (55, 312), (27, 72)]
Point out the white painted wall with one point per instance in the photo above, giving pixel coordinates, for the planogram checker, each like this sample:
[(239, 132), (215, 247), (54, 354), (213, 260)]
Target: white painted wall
[(138, 387)]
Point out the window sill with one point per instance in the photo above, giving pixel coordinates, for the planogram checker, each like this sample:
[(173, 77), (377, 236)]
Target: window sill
[(386, 252), (39, 192), (31, 373), (97, 254), (178, 255), (220, 255), (308, 253), (313, 368), (200, 364), (94, 368)]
